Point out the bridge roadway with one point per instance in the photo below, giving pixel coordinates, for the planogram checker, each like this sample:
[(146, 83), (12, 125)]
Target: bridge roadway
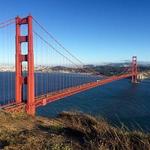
[(51, 97), (54, 96)]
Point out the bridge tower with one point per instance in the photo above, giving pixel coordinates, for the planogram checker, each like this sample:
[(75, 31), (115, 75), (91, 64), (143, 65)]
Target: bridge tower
[(134, 69), (29, 58)]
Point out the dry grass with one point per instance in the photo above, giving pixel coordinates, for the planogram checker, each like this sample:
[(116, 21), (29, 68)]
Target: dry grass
[(70, 131)]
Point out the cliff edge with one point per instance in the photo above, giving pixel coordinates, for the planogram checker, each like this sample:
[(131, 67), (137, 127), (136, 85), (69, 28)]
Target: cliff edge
[(69, 131)]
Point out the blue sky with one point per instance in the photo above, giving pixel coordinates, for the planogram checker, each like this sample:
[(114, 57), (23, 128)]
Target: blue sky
[(94, 30)]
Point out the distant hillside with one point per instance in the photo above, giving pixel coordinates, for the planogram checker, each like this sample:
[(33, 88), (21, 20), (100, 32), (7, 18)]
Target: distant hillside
[(106, 70), (70, 131)]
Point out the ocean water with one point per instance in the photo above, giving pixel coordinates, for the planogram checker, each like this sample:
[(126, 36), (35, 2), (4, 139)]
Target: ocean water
[(44, 83), (121, 103)]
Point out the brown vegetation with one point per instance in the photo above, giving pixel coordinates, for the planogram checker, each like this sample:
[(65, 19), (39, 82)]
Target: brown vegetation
[(70, 131)]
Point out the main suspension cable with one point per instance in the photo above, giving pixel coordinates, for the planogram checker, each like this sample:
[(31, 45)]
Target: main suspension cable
[(7, 23), (51, 46), (53, 38)]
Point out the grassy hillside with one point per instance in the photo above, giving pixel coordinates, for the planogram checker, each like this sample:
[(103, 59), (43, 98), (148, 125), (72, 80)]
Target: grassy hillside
[(69, 131)]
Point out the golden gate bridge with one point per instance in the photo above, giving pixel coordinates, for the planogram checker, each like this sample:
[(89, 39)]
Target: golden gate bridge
[(38, 77)]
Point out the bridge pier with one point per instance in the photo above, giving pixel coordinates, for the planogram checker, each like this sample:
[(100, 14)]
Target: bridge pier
[(29, 58)]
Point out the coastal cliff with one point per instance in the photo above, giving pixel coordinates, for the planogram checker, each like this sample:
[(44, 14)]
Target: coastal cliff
[(68, 131)]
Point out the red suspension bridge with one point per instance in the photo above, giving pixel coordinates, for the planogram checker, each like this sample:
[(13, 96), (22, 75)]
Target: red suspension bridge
[(36, 69)]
